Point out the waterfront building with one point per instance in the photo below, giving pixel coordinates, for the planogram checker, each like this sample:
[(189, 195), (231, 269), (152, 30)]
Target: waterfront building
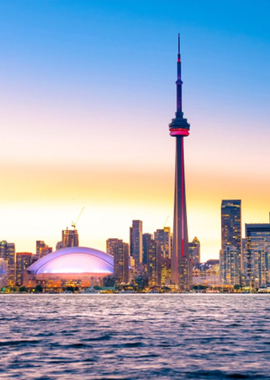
[(195, 251), (165, 271), (153, 263), (42, 249), (78, 266), (163, 237), (244, 262), (3, 273), (70, 238), (7, 252), (231, 235), (229, 266), (181, 267), (257, 254), (23, 261), (206, 274), (231, 223), (120, 252), (136, 246), (146, 238)]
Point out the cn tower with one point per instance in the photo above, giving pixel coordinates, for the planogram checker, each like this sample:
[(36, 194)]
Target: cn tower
[(181, 270)]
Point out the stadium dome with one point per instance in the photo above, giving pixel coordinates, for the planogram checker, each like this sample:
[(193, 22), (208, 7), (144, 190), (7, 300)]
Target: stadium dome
[(74, 260)]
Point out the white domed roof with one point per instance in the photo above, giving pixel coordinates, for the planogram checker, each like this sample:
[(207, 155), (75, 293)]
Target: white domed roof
[(74, 260)]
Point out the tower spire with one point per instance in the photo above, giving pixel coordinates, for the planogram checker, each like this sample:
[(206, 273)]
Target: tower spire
[(179, 81), (179, 58)]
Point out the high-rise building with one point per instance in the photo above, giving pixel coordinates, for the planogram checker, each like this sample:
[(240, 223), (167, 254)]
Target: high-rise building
[(42, 249), (229, 266), (3, 273), (136, 247), (231, 233), (7, 252), (231, 223), (195, 251), (163, 237), (70, 238), (181, 268), (244, 262), (153, 263), (120, 251), (257, 254), (146, 237), (111, 244), (23, 261), (165, 264)]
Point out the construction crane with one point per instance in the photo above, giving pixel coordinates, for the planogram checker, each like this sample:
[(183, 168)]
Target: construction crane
[(166, 221), (74, 224)]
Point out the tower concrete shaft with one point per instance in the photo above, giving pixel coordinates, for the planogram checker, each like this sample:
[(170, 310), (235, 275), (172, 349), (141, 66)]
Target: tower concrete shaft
[(181, 269)]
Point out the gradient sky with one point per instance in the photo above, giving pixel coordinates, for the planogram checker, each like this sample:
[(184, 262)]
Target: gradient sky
[(87, 90)]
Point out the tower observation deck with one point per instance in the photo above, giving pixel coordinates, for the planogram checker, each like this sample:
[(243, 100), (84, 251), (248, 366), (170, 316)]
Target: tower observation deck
[(181, 270)]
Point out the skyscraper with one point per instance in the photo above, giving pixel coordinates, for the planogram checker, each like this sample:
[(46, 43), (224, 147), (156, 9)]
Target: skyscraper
[(229, 268), (195, 251), (146, 237), (42, 249), (136, 246), (163, 237), (3, 273), (181, 270), (153, 263), (23, 261), (7, 252), (231, 232), (70, 238), (120, 251), (231, 223), (257, 254)]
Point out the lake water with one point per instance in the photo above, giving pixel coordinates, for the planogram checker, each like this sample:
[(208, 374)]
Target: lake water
[(134, 336)]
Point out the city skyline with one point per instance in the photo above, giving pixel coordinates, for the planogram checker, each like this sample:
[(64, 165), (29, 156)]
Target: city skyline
[(78, 123)]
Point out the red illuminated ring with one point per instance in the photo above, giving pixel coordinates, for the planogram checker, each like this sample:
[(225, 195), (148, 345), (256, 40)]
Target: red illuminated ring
[(179, 132)]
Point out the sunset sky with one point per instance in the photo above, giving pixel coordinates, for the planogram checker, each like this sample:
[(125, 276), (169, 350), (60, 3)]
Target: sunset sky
[(87, 90)]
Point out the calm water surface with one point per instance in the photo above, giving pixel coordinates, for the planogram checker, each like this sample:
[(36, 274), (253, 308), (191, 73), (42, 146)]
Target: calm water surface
[(134, 337)]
